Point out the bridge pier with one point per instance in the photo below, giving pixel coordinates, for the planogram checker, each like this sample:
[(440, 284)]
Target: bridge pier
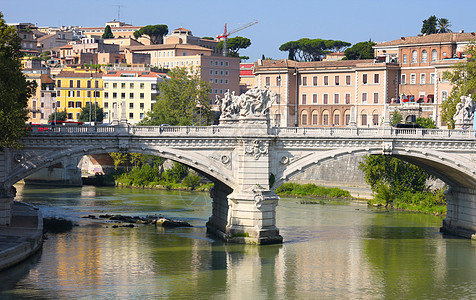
[(461, 214), (6, 207)]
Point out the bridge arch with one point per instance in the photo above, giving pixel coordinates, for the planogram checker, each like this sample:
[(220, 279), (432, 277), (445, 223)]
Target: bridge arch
[(211, 168), (457, 171)]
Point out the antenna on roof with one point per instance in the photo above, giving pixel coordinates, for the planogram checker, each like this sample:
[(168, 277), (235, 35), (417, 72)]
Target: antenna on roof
[(119, 10)]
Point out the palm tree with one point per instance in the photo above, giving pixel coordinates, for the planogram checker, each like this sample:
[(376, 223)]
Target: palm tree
[(444, 25)]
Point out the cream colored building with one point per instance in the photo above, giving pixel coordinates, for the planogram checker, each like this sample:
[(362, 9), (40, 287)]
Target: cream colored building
[(134, 90)]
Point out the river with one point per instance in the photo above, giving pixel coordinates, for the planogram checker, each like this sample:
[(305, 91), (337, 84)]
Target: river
[(331, 250)]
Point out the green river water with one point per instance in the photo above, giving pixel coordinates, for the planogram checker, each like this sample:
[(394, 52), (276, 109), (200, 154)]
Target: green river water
[(336, 250)]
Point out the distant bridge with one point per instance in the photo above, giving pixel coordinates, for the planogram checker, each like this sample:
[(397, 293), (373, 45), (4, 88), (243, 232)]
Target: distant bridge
[(241, 158)]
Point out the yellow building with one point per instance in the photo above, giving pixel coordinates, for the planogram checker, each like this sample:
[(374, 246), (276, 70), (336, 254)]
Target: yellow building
[(132, 89), (77, 87)]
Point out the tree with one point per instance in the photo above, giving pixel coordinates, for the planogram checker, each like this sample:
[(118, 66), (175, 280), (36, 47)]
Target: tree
[(429, 25), (463, 78), (396, 118), (362, 50), (155, 33), (444, 25), (426, 122), (184, 99), (107, 33), (312, 49), (84, 116), (234, 45), (60, 116), (15, 90)]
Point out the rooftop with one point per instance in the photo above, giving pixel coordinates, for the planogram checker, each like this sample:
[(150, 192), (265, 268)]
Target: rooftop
[(450, 37)]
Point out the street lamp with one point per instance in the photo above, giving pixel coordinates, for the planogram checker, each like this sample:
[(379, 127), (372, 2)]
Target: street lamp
[(278, 122)]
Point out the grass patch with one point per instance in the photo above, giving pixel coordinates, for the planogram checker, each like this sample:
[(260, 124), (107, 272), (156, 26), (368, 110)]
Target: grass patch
[(311, 190)]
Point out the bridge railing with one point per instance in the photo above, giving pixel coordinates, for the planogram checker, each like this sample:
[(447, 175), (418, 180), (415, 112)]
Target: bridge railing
[(372, 132)]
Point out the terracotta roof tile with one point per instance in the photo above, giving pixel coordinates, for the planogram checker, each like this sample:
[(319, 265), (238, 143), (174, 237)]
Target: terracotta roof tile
[(431, 38), (72, 74), (168, 46)]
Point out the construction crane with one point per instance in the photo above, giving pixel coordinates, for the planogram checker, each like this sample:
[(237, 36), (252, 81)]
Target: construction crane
[(227, 33)]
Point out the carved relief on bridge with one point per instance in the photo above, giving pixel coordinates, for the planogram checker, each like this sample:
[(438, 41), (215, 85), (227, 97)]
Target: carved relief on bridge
[(256, 148)]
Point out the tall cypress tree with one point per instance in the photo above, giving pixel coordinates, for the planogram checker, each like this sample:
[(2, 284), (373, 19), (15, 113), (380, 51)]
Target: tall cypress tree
[(107, 33)]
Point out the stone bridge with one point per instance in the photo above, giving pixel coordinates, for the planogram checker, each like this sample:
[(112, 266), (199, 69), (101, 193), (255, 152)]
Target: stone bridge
[(249, 159)]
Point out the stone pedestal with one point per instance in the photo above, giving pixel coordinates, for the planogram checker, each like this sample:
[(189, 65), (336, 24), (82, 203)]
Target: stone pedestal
[(461, 215)]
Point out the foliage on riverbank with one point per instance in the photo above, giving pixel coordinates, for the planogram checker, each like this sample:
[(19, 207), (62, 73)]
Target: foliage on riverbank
[(311, 190), (179, 177), (426, 202)]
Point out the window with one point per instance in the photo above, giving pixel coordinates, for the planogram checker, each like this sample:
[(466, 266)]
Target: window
[(131, 105), (106, 104), (414, 56), (314, 80), (364, 98), (347, 98), (277, 119), (106, 115), (304, 119), (267, 81), (336, 119), (70, 116), (141, 105), (314, 98), (89, 94), (278, 98), (444, 95), (70, 104), (336, 80), (123, 95), (58, 83), (363, 120), (325, 119), (413, 79), (78, 83), (375, 119), (131, 115), (96, 84), (97, 94), (364, 78), (141, 116), (78, 104), (336, 98), (432, 78), (376, 78), (404, 58), (131, 95), (304, 81), (141, 95), (88, 84), (423, 78), (123, 85), (347, 119), (303, 99), (131, 85), (278, 80), (114, 95), (325, 99), (347, 80), (375, 98), (404, 79), (424, 56), (326, 80), (71, 83), (106, 85), (314, 119), (434, 55), (114, 85), (142, 85), (78, 94)]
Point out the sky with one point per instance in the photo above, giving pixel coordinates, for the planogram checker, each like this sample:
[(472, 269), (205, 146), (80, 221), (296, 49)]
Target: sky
[(279, 21)]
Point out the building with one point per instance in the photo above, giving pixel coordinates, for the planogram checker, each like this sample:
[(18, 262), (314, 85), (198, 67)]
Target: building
[(327, 93), (422, 61), (77, 87), (247, 77), (42, 104), (135, 91), (54, 40), (119, 30)]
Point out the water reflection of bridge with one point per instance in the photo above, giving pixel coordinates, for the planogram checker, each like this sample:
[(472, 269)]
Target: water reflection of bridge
[(249, 159)]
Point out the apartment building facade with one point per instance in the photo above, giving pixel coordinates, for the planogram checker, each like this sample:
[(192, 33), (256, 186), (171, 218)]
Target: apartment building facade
[(323, 93), (77, 87), (135, 91)]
